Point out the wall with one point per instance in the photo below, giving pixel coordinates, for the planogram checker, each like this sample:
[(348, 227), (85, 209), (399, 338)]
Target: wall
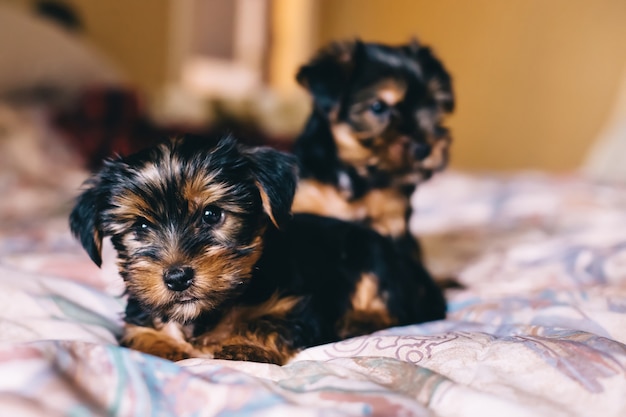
[(294, 30), (535, 79), (133, 34)]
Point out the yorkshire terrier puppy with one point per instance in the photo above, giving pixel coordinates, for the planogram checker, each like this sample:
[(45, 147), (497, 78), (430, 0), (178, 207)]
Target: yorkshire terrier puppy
[(375, 132), (216, 266)]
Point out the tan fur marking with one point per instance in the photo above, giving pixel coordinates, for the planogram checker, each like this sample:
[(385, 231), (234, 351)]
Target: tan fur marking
[(240, 316), (130, 206), (395, 154), (391, 93), (366, 295), (274, 306), (267, 206), (97, 239), (233, 339), (150, 174), (389, 90), (324, 199), (436, 159), (384, 209), (348, 145), (166, 343), (369, 311), (256, 347), (201, 190)]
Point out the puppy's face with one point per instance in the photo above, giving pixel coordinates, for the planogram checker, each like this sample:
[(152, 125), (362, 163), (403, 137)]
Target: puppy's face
[(186, 219), (384, 106)]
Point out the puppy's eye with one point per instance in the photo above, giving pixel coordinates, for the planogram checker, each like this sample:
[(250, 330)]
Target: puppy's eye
[(141, 225), (212, 215), (379, 107)]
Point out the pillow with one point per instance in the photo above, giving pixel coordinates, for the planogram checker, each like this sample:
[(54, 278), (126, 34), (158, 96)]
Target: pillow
[(36, 54)]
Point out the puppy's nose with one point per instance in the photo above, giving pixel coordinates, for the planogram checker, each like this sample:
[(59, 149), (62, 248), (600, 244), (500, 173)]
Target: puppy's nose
[(421, 150), (178, 278)]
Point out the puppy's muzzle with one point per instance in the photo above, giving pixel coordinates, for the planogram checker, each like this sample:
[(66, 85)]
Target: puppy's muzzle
[(178, 278)]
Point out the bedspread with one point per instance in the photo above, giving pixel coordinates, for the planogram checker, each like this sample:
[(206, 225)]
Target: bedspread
[(538, 329)]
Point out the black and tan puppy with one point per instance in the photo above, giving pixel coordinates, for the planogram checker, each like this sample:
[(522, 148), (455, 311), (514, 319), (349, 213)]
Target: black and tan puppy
[(215, 266), (375, 132)]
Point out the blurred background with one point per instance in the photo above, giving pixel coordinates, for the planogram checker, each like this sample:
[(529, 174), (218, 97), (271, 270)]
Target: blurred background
[(540, 84)]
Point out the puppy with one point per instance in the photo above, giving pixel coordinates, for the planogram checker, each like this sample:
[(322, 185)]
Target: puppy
[(215, 266), (375, 132)]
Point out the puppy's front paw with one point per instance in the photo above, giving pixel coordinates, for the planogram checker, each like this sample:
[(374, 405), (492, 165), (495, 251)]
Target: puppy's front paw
[(157, 343), (249, 353)]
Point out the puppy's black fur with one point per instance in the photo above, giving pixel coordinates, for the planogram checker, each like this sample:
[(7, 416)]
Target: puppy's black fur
[(215, 267)]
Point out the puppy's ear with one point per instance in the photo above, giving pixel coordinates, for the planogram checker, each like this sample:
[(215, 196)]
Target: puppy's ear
[(85, 220), (326, 75), (436, 77), (276, 176)]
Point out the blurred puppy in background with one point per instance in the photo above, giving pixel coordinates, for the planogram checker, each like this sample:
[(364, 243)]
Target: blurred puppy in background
[(376, 131)]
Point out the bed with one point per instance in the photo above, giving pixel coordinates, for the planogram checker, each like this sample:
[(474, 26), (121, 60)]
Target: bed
[(539, 328)]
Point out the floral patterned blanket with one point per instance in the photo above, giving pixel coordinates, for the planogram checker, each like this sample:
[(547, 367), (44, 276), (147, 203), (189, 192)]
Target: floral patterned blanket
[(538, 330)]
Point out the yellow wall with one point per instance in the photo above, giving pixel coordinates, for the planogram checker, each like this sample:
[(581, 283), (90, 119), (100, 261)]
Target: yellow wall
[(293, 30), (133, 33), (534, 79)]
